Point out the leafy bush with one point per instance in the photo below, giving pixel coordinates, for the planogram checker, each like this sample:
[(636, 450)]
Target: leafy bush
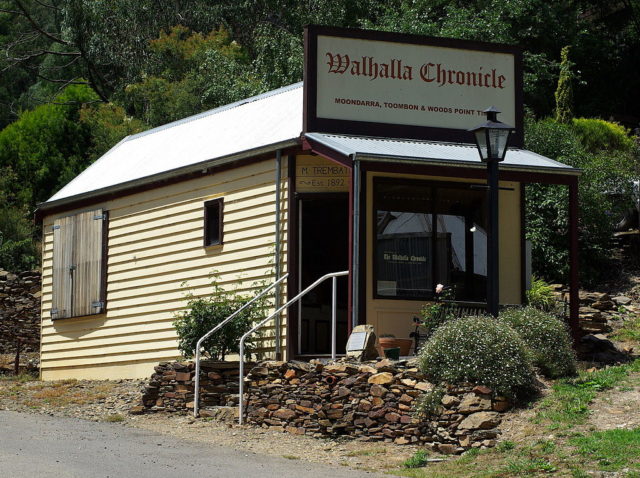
[(418, 460), (436, 313), (204, 313), (546, 337), (540, 295), (479, 350), (597, 135), (604, 171), (429, 402)]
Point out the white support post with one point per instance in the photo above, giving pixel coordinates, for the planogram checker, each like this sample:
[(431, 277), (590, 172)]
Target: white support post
[(334, 316)]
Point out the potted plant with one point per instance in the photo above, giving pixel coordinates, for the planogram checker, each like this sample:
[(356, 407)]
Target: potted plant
[(389, 341)]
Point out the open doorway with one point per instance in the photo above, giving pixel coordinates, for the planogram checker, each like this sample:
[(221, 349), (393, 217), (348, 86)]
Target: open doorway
[(323, 239)]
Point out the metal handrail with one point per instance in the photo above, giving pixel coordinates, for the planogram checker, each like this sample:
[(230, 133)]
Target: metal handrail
[(214, 330), (334, 320)]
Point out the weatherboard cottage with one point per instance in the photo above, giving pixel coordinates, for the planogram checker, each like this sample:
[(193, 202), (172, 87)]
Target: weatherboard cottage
[(367, 166)]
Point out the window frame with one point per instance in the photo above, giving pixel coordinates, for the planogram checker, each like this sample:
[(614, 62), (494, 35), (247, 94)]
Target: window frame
[(433, 185), (208, 205)]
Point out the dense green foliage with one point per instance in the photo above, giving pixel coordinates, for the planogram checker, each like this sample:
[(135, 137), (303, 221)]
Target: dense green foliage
[(204, 313), (609, 160), (546, 339), (150, 62), (564, 92), (479, 350), (540, 295)]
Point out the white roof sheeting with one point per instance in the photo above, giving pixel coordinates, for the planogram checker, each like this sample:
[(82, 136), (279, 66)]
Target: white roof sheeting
[(268, 119), (370, 148), (252, 126)]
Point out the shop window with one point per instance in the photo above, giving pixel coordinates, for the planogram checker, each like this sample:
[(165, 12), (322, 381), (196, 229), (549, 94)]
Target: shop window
[(213, 222), (429, 233), (79, 265)]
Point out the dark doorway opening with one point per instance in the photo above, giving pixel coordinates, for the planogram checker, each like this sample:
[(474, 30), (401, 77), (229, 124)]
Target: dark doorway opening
[(323, 248)]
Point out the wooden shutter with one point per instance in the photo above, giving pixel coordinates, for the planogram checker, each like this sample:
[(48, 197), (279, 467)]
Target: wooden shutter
[(88, 258), (63, 239)]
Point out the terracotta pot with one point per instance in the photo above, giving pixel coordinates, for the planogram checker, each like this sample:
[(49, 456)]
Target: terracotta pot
[(391, 342)]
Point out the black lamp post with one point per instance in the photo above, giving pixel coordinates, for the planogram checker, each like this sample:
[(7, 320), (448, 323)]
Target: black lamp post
[(492, 138)]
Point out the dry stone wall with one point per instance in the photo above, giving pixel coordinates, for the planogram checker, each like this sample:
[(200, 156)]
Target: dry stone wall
[(171, 387), (19, 311), (371, 402)]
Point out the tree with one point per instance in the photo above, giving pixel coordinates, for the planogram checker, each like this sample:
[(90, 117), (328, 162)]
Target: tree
[(189, 73), (604, 194), (46, 146), (564, 92)]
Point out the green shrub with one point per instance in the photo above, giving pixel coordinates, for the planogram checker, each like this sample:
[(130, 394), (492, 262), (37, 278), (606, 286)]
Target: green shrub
[(540, 295), (204, 313), (418, 460), (429, 402), (546, 338), (603, 171), (480, 350), (596, 135), (434, 314)]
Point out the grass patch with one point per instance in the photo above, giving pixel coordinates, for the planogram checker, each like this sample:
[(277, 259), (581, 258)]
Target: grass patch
[(528, 466), (611, 450), (113, 418), (418, 460), (568, 404), (630, 330), (63, 393), (366, 452), (21, 378)]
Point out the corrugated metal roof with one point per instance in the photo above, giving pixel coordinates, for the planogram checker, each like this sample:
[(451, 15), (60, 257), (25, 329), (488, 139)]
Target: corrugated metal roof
[(268, 119), (434, 152), (258, 124)]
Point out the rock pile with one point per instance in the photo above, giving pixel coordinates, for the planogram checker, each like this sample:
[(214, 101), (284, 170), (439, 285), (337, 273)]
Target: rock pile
[(372, 402), (19, 311), (171, 387), (598, 309)]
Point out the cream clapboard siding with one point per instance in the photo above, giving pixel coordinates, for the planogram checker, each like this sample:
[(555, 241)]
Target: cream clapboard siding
[(156, 244)]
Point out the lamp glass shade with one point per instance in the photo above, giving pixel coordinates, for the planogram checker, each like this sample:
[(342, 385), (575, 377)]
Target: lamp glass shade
[(481, 142), (498, 138)]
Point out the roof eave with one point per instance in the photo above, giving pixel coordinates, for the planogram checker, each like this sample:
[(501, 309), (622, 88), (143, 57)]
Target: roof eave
[(125, 187), (466, 164)]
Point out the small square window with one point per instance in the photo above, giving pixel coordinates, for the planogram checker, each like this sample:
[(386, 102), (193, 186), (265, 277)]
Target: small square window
[(213, 222)]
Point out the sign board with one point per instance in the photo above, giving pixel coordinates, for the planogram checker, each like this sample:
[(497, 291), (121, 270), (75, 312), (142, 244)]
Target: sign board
[(316, 174), (357, 341), (407, 86)]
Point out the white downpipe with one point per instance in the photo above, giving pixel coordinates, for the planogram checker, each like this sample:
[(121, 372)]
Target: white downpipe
[(196, 391), (334, 315), (261, 323)]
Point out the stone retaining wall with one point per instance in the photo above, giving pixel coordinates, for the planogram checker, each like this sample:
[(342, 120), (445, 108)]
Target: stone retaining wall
[(171, 386), (19, 311), (373, 403)]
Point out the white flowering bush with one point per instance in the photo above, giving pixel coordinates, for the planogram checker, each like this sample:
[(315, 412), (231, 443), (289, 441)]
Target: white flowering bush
[(479, 350), (546, 338)]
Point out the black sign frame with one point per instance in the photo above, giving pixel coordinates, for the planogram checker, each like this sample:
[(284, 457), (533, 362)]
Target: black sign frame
[(312, 123)]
